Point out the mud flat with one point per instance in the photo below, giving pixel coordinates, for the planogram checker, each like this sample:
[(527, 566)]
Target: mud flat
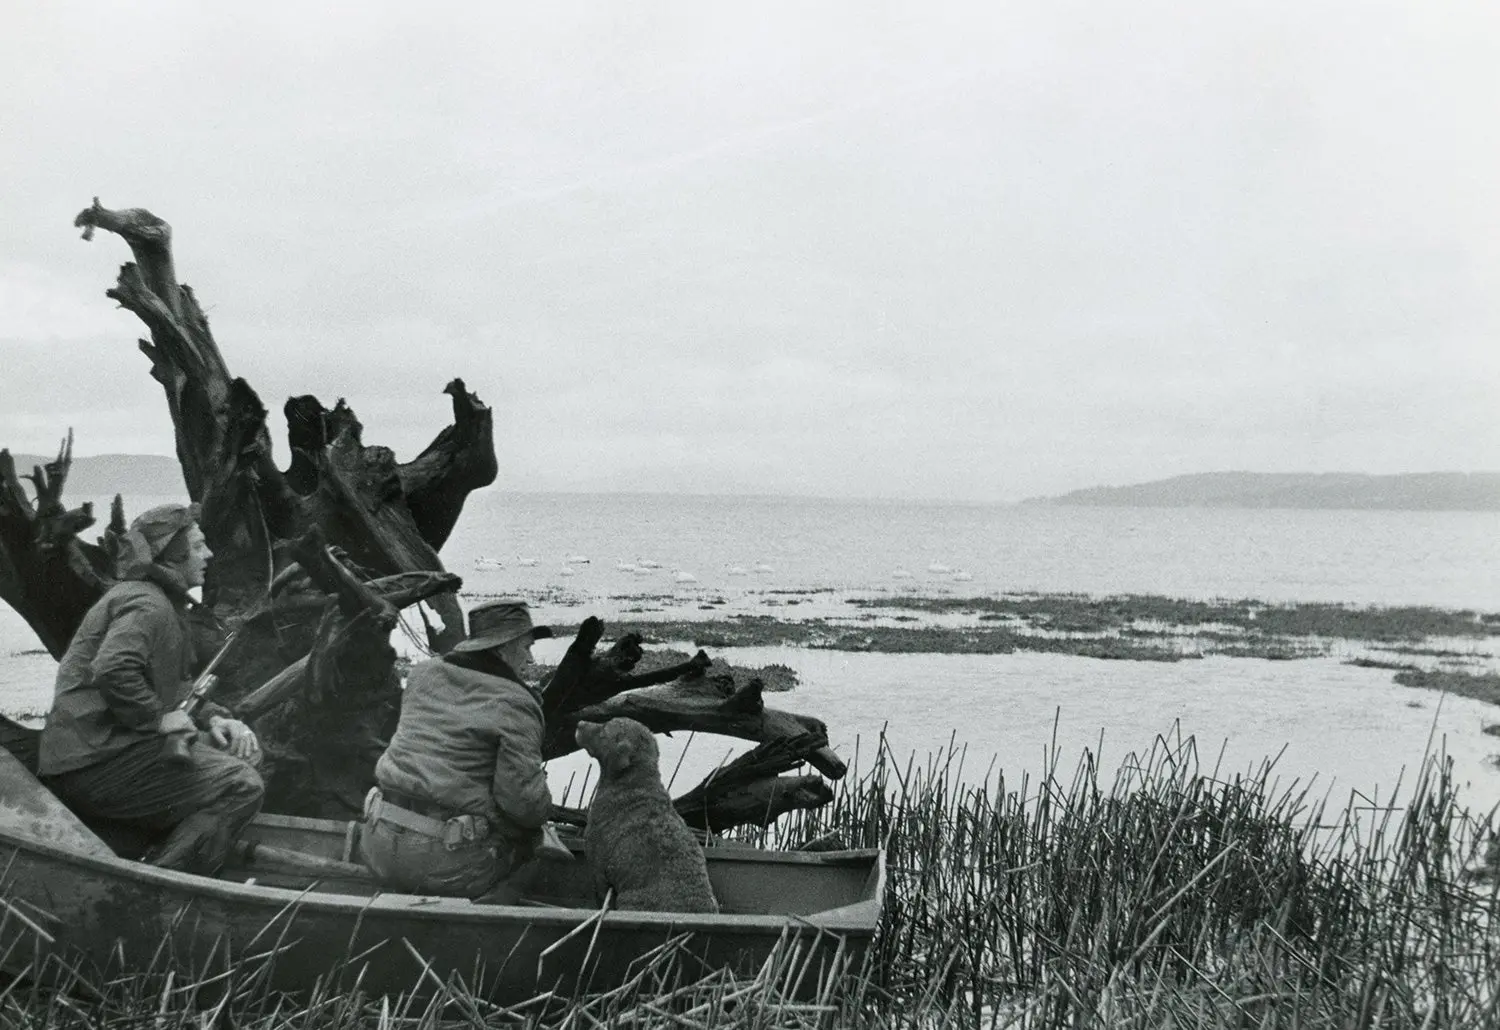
[(1481, 686), (1452, 650), (1137, 627)]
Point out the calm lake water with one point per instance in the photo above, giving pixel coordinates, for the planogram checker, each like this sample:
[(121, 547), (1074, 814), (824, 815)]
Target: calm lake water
[(1340, 727), (1331, 726), (1446, 559)]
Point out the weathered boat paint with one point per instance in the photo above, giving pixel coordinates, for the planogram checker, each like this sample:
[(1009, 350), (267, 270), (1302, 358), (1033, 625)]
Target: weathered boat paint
[(30, 810)]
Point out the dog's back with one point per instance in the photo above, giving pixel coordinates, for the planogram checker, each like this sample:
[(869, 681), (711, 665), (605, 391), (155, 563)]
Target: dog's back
[(636, 841)]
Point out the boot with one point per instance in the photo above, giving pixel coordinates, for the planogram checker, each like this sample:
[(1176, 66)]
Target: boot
[(199, 844)]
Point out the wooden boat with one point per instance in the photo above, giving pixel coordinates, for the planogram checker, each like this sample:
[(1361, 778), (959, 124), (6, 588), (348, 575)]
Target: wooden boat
[(295, 909)]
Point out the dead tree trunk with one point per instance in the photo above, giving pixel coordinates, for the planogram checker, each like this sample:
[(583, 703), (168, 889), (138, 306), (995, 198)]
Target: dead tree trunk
[(384, 518), (693, 695), (314, 561), (46, 573), (750, 791)]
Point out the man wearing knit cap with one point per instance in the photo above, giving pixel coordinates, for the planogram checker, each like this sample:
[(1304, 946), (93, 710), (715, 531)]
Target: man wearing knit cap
[(462, 799), (118, 685)]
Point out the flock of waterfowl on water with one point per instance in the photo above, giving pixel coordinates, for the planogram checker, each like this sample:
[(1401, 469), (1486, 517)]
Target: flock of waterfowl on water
[(646, 566)]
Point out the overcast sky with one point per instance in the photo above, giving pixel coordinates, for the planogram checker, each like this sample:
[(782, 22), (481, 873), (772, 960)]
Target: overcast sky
[(975, 251)]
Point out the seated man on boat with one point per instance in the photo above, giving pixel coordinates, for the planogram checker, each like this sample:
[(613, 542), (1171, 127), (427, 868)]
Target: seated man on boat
[(461, 795), (102, 750)]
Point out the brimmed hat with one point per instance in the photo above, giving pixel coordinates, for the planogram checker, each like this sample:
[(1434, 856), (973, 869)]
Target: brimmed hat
[(498, 623)]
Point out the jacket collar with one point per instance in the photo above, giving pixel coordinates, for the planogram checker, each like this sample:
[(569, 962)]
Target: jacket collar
[(170, 581), (486, 662), (504, 669), (490, 664)]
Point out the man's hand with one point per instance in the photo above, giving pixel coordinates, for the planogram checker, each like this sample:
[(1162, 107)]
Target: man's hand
[(233, 736)]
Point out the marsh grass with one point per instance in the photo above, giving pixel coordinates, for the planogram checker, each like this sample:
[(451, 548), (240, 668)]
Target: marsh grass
[(1085, 613), (1128, 627), (820, 634), (1165, 894), (1481, 686)]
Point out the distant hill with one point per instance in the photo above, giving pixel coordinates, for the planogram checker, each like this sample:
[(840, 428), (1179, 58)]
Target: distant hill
[(1426, 491), (104, 475)]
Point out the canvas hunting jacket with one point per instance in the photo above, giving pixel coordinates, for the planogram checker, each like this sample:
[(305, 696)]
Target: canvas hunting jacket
[(472, 743), (129, 662)]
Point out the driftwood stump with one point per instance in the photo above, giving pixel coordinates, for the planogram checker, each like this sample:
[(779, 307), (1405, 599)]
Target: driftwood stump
[(314, 562)]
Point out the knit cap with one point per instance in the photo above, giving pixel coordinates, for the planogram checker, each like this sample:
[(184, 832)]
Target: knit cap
[(150, 533)]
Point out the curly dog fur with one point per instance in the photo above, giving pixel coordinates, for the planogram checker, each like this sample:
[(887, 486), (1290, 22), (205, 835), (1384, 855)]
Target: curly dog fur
[(635, 840)]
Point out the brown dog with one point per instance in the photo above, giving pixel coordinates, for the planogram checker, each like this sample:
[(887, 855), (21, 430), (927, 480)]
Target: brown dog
[(635, 840)]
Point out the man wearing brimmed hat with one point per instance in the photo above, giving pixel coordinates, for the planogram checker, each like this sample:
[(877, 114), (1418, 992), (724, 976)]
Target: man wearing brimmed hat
[(461, 795), (118, 686)]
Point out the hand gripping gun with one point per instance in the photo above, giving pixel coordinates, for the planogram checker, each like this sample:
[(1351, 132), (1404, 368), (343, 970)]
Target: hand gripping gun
[(175, 747)]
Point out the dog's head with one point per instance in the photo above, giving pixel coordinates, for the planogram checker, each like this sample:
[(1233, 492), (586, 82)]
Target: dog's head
[(620, 745)]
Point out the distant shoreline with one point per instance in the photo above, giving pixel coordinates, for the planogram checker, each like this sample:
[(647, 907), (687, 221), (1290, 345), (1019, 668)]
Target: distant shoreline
[(156, 475), (1345, 491)]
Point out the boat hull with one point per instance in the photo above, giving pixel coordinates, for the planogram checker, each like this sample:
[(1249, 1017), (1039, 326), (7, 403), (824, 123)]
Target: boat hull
[(102, 916)]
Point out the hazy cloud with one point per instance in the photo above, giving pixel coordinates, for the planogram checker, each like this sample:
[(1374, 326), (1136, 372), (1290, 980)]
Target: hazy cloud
[(959, 250)]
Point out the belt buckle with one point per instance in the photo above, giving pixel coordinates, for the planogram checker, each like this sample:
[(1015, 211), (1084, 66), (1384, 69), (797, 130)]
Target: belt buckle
[(464, 829), (458, 831), (373, 803)]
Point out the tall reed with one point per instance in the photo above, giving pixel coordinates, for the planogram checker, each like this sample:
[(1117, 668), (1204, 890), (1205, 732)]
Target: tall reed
[(1165, 894), (1175, 895)]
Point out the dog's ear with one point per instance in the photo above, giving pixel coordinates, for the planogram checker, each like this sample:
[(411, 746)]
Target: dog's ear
[(621, 756), (587, 735)]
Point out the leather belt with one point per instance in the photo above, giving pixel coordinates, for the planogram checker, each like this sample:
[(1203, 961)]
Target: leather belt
[(454, 830), (421, 806)]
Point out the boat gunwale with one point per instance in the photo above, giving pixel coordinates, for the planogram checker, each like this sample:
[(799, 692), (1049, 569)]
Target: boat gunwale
[(849, 918), (729, 851)]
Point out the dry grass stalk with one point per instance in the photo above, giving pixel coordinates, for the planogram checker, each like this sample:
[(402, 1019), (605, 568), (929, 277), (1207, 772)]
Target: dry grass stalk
[(1169, 895)]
